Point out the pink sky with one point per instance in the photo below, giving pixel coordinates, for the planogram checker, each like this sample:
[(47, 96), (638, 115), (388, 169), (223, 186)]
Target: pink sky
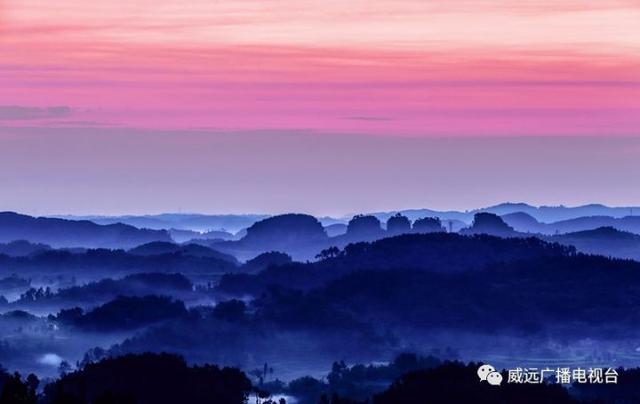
[(396, 67), (324, 106)]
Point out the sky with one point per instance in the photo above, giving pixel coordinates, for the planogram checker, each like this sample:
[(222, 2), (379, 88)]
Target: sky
[(290, 96)]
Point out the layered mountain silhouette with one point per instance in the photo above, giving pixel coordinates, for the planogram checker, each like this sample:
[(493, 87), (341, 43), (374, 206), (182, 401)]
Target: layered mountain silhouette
[(605, 241), (545, 214), (123, 313), (182, 221), (266, 260), (526, 223), (301, 236), (94, 293), (181, 236), (370, 288), (71, 233), (22, 248), (489, 223), (435, 252), (94, 263), (233, 223), (336, 229), (557, 213), (193, 250), (296, 234), (285, 230)]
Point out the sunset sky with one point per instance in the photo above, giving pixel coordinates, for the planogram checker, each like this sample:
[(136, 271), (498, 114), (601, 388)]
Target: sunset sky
[(97, 77)]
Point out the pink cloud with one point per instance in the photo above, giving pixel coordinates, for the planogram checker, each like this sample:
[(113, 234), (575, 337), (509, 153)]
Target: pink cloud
[(252, 65)]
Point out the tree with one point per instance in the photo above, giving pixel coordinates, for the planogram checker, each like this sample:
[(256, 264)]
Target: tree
[(149, 379), (328, 253), (32, 382), (15, 391), (64, 368), (455, 382)]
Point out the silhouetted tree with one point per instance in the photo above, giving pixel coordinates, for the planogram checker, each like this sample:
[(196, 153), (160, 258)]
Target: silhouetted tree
[(458, 383), (32, 383), (328, 253), (92, 355), (15, 391), (124, 313), (149, 379), (626, 390), (307, 389), (64, 368)]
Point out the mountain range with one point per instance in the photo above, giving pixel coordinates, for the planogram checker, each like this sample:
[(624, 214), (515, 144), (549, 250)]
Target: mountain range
[(236, 222), (179, 221), (59, 233), (303, 236)]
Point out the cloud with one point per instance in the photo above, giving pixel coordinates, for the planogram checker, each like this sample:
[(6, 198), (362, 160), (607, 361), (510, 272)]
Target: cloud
[(79, 124), (18, 113), (50, 359)]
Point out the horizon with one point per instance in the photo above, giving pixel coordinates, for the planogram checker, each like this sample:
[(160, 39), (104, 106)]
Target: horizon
[(345, 216)]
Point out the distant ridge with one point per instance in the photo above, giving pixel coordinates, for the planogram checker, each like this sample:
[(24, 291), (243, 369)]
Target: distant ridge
[(544, 214), (460, 219), (195, 250), (526, 223), (180, 221), (60, 233), (605, 241)]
